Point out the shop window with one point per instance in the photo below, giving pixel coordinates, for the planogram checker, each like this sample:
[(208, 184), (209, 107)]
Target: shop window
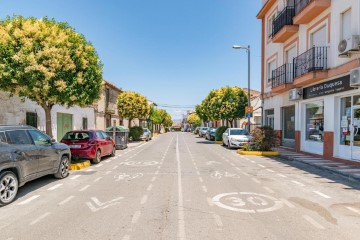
[(345, 115), (315, 121), (269, 118), (31, 119)]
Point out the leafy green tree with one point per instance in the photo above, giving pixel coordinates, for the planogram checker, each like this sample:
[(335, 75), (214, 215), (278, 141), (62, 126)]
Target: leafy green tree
[(168, 121), (194, 119), (48, 62), (133, 105), (200, 111)]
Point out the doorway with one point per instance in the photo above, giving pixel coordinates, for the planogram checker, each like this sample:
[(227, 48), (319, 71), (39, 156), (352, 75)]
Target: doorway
[(288, 126), (355, 133), (64, 124)]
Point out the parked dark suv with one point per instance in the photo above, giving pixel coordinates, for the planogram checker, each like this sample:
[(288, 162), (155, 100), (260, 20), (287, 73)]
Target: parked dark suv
[(26, 154)]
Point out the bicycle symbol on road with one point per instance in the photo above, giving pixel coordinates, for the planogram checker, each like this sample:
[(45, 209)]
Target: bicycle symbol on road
[(219, 175), (127, 177), (247, 202)]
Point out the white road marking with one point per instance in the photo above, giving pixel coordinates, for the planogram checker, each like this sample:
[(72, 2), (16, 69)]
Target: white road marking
[(181, 220), (66, 200), (238, 168), (159, 167), (232, 164), (269, 190), (261, 165), (200, 179), (246, 174), (108, 172), (252, 161), (281, 175), (217, 220), (321, 194), (136, 217), (287, 203), (210, 202), (204, 188), (126, 237), (269, 170), (107, 161), (84, 188), (198, 173), (153, 179), (313, 222), (40, 218), (97, 179), (75, 177), (298, 183), (144, 199), (28, 200), (89, 170), (157, 172), (149, 187), (55, 187), (99, 165), (353, 210), (255, 180), (115, 167)]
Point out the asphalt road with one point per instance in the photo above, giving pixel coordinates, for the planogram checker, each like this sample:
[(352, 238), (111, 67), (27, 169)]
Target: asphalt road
[(179, 186)]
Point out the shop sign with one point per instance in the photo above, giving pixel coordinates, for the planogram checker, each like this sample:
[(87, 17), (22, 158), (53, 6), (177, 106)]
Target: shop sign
[(326, 88)]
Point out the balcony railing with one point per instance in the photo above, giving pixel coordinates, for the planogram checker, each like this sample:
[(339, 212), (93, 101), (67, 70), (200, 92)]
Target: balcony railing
[(282, 75), (300, 5), (284, 18), (312, 60)]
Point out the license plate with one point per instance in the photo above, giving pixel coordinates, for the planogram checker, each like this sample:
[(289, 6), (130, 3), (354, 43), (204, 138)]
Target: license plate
[(75, 146)]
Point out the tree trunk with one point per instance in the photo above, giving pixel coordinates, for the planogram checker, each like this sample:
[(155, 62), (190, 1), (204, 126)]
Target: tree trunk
[(48, 124), (231, 123), (129, 123)]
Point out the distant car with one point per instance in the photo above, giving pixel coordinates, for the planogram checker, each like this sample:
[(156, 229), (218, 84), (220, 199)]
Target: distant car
[(210, 134), (26, 154), (89, 144), (146, 135), (202, 131), (236, 137)]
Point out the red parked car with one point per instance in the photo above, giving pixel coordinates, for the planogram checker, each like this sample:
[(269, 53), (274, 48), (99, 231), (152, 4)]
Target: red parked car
[(89, 144)]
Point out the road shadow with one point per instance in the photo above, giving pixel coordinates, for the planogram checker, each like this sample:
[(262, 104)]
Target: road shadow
[(330, 177), (205, 142)]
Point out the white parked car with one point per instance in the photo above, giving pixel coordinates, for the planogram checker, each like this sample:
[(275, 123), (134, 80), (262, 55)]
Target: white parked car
[(236, 137)]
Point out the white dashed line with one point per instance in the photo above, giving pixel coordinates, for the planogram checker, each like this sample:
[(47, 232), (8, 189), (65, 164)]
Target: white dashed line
[(89, 170), (136, 217), (321, 194), (281, 175), (269, 190), (198, 173), (261, 165), (157, 172), (40, 218), (269, 170), (144, 199), (153, 179), (255, 180), (108, 172), (246, 174), (115, 167), (353, 210), (84, 188), (313, 222), (204, 188), (126, 237), (66, 200), (96, 180), (217, 220), (232, 164), (238, 168), (200, 179), (55, 187), (149, 187), (28, 200), (159, 167), (252, 161), (298, 183), (75, 177), (99, 165)]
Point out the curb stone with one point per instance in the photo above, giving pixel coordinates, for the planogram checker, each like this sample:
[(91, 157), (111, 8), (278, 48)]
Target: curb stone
[(80, 165)]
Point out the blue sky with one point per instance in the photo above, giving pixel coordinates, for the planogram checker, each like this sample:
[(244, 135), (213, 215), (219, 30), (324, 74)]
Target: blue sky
[(173, 52)]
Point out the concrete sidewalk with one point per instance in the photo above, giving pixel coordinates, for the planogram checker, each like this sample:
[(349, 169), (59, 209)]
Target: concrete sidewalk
[(347, 170)]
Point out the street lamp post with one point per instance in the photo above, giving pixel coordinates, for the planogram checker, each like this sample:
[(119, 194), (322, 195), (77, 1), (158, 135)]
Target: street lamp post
[(248, 51)]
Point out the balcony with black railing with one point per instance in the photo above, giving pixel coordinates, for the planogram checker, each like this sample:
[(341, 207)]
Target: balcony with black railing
[(283, 27), (282, 78), (311, 66), (307, 10)]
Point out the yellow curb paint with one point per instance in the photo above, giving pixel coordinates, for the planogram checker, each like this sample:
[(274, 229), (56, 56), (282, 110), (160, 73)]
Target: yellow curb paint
[(258, 153), (79, 166), (218, 142)]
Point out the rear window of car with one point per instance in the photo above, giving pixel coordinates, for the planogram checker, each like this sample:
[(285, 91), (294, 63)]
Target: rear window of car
[(145, 130), (77, 136), (238, 132), (205, 128)]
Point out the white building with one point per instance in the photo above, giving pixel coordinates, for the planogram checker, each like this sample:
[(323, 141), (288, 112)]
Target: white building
[(15, 111), (306, 74)]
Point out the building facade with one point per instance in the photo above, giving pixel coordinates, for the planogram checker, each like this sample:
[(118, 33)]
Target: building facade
[(310, 48)]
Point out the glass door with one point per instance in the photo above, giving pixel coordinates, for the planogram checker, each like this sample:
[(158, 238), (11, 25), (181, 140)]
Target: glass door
[(355, 133)]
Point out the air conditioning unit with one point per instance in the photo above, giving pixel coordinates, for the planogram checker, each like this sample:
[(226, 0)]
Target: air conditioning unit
[(349, 45), (355, 77), (295, 94)]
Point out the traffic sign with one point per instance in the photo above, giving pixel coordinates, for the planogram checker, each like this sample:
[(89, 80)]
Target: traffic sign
[(249, 115), (249, 109)]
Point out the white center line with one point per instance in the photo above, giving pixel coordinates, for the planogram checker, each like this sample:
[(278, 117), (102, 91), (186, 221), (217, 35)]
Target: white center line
[(269, 170), (99, 165), (157, 172), (200, 179), (89, 170), (204, 188), (75, 177), (136, 217), (238, 168), (126, 237), (149, 187), (144, 199), (246, 174), (281, 175), (313, 222), (66, 200), (153, 179), (28, 200), (321, 194), (255, 180), (198, 173), (298, 183), (84, 188), (181, 218), (40, 218), (115, 167), (353, 210), (269, 190), (108, 172), (55, 187), (252, 161), (261, 165), (97, 179)]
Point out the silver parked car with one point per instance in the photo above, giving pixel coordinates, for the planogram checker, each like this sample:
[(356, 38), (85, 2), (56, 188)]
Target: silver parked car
[(236, 137), (26, 154), (202, 131), (147, 135)]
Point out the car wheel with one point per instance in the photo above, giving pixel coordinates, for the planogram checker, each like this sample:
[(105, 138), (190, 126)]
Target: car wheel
[(97, 158), (9, 186), (63, 170), (113, 151)]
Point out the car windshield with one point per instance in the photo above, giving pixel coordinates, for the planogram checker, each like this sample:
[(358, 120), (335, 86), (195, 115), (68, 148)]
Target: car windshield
[(213, 130), (238, 132), (77, 136), (205, 128)]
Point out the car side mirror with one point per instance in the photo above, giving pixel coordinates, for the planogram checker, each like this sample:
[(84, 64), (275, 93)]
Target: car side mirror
[(52, 141)]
